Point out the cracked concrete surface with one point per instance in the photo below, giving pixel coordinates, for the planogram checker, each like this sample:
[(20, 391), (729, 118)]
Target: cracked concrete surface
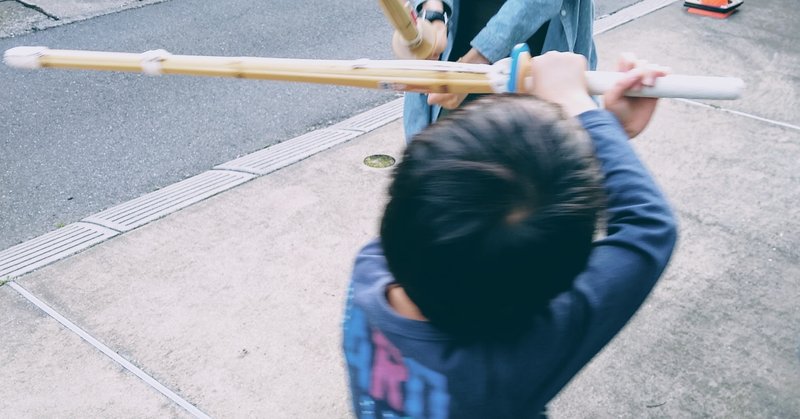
[(16, 19), (22, 16)]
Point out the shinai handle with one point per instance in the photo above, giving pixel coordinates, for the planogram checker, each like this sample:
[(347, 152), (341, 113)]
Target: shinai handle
[(672, 86)]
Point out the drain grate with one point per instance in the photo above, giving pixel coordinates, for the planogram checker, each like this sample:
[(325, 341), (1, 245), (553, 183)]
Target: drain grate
[(51, 247), (291, 151), (373, 118), (157, 204)]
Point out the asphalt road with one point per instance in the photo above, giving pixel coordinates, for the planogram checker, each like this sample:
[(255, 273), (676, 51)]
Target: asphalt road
[(75, 142)]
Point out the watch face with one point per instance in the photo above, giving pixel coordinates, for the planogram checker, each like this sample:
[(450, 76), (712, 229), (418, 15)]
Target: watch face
[(430, 16)]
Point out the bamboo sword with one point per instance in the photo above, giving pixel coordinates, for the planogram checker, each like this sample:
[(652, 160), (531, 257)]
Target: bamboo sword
[(400, 75)]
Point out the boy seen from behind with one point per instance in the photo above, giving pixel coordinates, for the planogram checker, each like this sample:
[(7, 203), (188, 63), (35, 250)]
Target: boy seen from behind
[(486, 292)]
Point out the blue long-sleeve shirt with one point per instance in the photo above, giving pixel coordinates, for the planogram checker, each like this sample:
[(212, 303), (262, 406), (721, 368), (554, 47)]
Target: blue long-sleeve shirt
[(408, 368)]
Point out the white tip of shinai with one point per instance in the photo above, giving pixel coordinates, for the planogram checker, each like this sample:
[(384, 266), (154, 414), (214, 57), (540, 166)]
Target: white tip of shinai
[(23, 57)]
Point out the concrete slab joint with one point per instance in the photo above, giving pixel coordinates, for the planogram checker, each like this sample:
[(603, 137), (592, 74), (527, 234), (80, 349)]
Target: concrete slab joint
[(70, 9), (33, 6), (21, 16)]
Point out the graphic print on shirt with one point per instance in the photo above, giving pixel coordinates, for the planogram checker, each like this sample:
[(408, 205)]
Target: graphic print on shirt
[(383, 383)]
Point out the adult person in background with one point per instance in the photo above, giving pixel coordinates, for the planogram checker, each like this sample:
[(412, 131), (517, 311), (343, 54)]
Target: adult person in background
[(485, 31)]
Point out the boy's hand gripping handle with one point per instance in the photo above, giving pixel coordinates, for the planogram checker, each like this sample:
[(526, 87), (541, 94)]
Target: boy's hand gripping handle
[(599, 82)]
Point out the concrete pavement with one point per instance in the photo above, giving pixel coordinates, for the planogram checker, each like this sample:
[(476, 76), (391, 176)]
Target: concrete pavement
[(234, 303), (18, 17)]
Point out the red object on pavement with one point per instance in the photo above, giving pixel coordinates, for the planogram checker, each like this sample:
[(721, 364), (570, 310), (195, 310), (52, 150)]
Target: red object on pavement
[(719, 9)]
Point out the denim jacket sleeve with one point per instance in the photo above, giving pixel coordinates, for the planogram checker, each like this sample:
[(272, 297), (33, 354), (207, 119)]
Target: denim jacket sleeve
[(518, 20), (515, 22)]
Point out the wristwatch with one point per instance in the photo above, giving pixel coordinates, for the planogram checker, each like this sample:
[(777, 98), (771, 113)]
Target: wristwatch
[(431, 15)]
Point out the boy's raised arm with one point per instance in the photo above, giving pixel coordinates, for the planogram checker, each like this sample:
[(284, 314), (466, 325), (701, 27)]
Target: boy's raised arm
[(641, 231)]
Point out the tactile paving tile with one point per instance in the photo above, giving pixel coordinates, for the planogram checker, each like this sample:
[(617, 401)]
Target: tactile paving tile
[(290, 151), (373, 118), (157, 204), (50, 247)]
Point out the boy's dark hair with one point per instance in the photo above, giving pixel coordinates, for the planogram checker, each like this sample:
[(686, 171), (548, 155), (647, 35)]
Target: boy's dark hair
[(491, 214)]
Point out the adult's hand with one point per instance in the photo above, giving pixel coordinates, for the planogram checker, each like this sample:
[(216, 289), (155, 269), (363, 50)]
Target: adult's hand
[(454, 100), (434, 34), (440, 40)]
